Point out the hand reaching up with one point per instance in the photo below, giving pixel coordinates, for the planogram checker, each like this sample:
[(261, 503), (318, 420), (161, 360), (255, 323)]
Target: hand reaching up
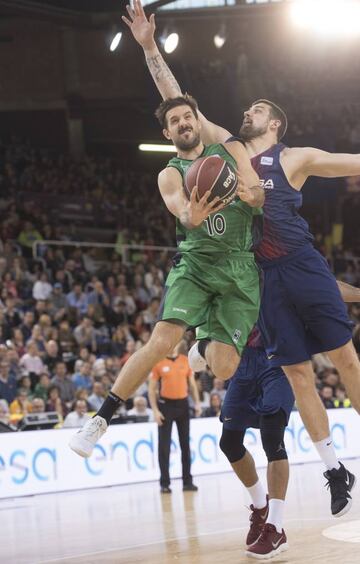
[(143, 29)]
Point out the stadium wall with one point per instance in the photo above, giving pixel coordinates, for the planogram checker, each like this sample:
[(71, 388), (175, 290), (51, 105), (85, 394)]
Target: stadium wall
[(40, 461)]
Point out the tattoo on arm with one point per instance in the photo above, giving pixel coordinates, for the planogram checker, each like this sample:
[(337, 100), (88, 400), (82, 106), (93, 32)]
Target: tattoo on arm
[(163, 77)]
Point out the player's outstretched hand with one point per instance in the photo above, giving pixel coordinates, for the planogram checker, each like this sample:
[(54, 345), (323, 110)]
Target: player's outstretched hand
[(200, 209), (143, 29)]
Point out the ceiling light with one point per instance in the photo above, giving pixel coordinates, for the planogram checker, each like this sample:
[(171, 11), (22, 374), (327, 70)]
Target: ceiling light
[(115, 41), (327, 17), (220, 37), (157, 148), (171, 42)]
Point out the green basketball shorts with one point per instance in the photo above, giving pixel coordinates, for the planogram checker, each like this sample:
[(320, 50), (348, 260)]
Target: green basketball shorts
[(219, 296)]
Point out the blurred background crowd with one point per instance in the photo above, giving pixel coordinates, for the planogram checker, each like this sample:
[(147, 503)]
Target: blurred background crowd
[(85, 240), (71, 315)]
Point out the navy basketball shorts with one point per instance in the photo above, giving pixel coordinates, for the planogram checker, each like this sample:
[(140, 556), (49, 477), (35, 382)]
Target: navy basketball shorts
[(256, 389), (302, 311)]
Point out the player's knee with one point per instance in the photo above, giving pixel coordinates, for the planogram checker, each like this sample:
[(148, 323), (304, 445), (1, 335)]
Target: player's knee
[(224, 364), (162, 342), (272, 430), (345, 358), (301, 376), (232, 445)]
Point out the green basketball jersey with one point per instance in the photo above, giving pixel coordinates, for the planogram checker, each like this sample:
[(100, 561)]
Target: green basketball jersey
[(228, 230)]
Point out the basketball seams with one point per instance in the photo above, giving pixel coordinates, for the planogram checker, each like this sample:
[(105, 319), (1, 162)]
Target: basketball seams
[(219, 174), (231, 189), (186, 186), (199, 170)]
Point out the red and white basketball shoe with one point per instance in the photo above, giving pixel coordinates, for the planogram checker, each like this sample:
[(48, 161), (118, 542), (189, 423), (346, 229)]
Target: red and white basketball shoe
[(269, 544), (257, 521)]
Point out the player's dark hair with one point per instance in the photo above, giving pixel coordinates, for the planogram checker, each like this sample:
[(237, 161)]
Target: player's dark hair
[(171, 103), (276, 113)]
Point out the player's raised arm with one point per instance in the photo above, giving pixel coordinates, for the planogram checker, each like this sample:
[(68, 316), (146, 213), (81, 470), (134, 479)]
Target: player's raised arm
[(143, 30), (306, 161), (249, 189), (191, 212), (348, 292)]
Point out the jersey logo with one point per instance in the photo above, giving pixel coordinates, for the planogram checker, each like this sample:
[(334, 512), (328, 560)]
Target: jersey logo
[(267, 161), (236, 336), (267, 184), (276, 544), (231, 176), (180, 309)]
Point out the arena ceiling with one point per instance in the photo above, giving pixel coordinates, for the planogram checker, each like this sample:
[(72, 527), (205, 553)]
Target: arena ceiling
[(94, 13), (95, 6)]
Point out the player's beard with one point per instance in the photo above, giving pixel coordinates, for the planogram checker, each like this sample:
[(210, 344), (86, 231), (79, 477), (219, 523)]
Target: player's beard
[(188, 145), (248, 132)]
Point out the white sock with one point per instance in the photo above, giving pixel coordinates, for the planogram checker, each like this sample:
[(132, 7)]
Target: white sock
[(258, 495), (327, 453), (276, 513)]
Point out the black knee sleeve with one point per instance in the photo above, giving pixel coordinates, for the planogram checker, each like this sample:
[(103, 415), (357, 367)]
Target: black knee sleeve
[(232, 444), (272, 429)]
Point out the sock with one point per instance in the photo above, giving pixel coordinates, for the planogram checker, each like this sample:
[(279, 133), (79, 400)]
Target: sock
[(202, 346), (109, 407), (276, 513), (258, 495), (327, 454)]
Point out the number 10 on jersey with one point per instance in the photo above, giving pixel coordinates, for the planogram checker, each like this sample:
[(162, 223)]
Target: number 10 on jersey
[(216, 224)]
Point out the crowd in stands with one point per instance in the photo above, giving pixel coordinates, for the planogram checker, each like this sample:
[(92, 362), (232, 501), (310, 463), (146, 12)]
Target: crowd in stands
[(70, 318), (34, 183)]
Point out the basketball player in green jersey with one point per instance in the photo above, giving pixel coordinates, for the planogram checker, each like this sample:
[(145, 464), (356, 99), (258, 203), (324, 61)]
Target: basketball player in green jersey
[(214, 283)]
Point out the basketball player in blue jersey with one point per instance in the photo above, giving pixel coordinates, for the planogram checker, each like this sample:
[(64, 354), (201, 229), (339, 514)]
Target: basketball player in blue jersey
[(302, 312), (259, 396)]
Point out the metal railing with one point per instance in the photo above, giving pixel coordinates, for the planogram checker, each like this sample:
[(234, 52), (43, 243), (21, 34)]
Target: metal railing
[(125, 249)]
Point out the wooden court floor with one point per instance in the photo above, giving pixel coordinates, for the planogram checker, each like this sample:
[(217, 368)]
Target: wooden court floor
[(135, 523)]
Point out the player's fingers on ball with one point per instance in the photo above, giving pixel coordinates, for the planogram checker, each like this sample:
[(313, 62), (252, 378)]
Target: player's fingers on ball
[(219, 207), (204, 199), (194, 194), (214, 202)]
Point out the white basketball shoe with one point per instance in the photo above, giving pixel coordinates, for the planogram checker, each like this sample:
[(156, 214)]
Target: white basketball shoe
[(85, 439), (197, 362)]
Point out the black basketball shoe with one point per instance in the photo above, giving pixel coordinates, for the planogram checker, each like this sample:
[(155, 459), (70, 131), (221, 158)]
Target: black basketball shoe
[(341, 482)]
